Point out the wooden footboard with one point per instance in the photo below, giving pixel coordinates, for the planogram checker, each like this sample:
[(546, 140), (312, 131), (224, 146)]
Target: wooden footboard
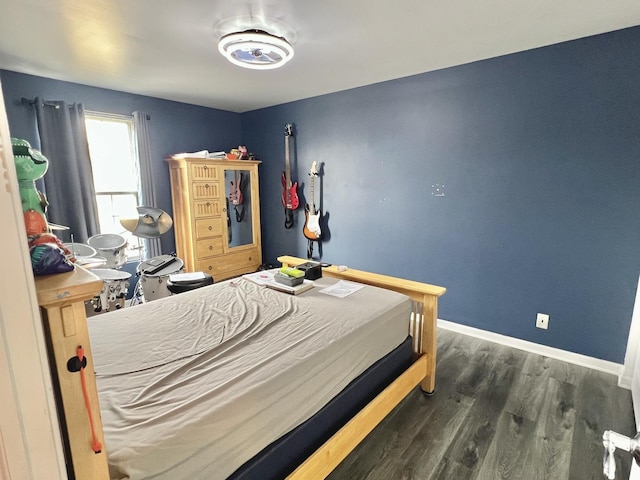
[(422, 371)]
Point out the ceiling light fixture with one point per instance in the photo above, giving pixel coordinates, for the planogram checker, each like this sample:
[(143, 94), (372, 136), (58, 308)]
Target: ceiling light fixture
[(255, 49)]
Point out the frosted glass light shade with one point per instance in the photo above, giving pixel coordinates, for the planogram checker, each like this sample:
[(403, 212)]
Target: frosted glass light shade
[(255, 49)]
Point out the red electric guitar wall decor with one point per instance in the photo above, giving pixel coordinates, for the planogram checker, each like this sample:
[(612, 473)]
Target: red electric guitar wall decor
[(289, 195), (311, 229)]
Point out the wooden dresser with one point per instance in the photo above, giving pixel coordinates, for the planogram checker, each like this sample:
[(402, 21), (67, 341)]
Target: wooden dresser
[(212, 235)]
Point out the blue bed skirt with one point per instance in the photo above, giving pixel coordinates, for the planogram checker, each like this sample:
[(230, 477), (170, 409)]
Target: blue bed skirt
[(283, 456)]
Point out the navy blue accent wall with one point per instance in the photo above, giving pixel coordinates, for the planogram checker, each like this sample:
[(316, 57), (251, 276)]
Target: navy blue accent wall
[(174, 127), (539, 155)]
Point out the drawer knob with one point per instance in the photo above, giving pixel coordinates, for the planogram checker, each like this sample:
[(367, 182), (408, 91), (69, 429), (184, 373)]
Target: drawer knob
[(210, 247), (204, 168), (210, 267), (208, 204), (210, 228), (206, 185)]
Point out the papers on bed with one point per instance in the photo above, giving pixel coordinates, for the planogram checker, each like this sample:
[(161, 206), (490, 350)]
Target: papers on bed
[(298, 289), (266, 278), (261, 278), (342, 289)]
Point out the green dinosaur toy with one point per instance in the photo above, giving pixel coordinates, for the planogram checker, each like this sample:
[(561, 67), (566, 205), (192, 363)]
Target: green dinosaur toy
[(48, 254), (31, 165)]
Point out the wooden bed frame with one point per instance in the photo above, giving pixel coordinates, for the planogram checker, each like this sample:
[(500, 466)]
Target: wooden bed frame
[(61, 298)]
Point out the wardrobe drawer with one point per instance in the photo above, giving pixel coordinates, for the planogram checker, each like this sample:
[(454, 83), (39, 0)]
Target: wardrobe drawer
[(206, 208), (208, 247), (205, 190), (201, 171), (208, 227), (231, 264)]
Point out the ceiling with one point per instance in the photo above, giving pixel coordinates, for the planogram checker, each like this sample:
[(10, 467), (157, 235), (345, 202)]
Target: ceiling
[(169, 50)]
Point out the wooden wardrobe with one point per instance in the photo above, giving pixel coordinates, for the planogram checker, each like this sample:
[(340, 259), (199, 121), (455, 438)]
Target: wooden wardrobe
[(213, 235)]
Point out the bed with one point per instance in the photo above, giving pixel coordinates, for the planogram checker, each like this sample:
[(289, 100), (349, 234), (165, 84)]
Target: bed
[(177, 402)]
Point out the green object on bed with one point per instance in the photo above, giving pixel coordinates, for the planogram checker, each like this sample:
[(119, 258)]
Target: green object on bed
[(292, 272)]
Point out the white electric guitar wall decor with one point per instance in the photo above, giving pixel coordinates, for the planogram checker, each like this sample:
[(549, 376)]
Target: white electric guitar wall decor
[(311, 227)]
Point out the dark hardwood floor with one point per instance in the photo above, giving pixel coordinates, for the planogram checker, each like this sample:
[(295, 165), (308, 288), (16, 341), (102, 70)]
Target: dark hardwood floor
[(498, 413)]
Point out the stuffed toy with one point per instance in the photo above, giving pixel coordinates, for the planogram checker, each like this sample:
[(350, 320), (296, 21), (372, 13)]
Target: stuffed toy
[(48, 253)]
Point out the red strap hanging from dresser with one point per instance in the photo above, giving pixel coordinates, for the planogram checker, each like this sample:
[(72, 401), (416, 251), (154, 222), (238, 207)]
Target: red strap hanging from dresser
[(95, 443)]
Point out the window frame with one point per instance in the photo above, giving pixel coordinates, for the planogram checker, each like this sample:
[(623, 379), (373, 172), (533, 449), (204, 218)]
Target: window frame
[(134, 250)]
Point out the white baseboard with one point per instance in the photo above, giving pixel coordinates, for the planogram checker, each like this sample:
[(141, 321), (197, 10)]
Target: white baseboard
[(551, 352)]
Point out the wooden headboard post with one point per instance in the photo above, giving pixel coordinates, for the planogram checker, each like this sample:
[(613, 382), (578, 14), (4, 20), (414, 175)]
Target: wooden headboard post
[(61, 298)]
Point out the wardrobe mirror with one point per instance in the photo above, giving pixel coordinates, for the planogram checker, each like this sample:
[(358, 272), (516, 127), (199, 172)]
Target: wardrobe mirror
[(238, 193)]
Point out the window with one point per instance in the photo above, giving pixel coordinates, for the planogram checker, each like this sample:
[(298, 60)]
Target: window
[(116, 177)]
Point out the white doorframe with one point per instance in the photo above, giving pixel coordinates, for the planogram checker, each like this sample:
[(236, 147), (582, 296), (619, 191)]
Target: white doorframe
[(30, 441), (633, 344), (631, 371)]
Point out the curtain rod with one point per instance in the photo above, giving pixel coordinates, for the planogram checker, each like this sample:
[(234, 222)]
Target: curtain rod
[(32, 102), (116, 116)]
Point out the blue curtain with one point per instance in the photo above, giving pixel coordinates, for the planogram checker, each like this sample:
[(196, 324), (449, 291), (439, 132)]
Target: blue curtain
[(68, 182), (152, 246)]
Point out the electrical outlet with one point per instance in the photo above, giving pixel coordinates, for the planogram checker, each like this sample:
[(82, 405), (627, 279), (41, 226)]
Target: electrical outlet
[(542, 321), (437, 190)]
